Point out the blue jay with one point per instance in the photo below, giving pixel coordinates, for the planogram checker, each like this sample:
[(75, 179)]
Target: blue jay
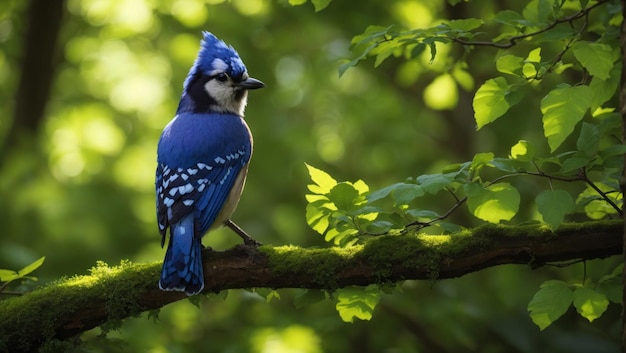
[(203, 156)]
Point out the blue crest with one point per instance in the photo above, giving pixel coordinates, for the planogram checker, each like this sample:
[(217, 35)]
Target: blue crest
[(216, 56)]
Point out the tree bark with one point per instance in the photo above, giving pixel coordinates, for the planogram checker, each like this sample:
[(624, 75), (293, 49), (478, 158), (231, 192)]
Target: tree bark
[(66, 308), (37, 67), (622, 110)]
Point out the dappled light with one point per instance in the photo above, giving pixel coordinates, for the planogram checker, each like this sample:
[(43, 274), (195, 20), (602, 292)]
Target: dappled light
[(352, 91)]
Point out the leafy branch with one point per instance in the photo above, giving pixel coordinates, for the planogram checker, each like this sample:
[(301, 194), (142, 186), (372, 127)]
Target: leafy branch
[(512, 41)]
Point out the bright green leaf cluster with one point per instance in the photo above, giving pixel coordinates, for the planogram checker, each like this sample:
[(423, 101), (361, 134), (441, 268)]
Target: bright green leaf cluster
[(357, 302), (337, 210)]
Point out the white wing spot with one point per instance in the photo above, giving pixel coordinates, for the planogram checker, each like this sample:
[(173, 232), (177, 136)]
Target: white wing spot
[(168, 202), (220, 160), (201, 187), (188, 202), (192, 171), (185, 189), (173, 191), (204, 166), (184, 176)]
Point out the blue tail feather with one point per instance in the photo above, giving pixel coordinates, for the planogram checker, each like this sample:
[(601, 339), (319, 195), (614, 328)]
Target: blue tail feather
[(182, 268)]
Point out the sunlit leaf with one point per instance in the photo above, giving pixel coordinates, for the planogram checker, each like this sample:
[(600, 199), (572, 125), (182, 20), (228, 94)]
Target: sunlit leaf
[(522, 151), (562, 109), (32, 267), (589, 303), (492, 100), (8, 275), (550, 302), (510, 64), (357, 302), (597, 58), (554, 205), (494, 203), (317, 219), (323, 181)]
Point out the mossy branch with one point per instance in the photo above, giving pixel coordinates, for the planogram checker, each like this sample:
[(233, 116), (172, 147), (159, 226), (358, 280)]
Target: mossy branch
[(70, 306)]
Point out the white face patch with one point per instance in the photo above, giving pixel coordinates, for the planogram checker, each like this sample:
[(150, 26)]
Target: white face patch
[(226, 97)]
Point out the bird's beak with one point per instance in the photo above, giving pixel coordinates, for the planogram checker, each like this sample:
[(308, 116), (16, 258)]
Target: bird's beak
[(251, 83)]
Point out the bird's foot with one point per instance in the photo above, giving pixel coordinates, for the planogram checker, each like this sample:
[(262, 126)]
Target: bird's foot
[(247, 240)]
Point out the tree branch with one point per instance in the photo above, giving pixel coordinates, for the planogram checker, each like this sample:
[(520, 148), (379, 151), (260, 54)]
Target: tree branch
[(68, 307)]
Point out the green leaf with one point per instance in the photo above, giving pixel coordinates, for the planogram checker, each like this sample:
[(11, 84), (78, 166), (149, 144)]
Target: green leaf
[(310, 296), (589, 303), (32, 267), (320, 4), (433, 183), (492, 100), (494, 203), (317, 218), (604, 90), (611, 286), (341, 237), (466, 24), (357, 302), (522, 151), (297, 2), (510, 64), (344, 196), (550, 302), (554, 205), (323, 181), (379, 227), (574, 163), (481, 159), (597, 58), (8, 275), (537, 12), (589, 139), (509, 18), (404, 194), (562, 109), (384, 192)]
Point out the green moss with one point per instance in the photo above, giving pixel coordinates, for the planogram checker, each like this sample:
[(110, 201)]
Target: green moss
[(318, 264), (39, 311)]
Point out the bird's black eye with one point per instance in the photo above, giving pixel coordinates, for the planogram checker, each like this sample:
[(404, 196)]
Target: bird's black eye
[(222, 77)]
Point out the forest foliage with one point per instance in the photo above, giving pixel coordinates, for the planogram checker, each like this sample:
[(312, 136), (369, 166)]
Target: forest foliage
[(446, 115)]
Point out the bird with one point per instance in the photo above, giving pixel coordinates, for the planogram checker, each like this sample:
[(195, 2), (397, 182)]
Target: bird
[(202, 161)]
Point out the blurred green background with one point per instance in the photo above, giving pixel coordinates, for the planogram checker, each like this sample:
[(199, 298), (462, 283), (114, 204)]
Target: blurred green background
[(77, 164)]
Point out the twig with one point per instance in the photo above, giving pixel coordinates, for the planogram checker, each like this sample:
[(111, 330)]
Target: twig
[(513, 40)]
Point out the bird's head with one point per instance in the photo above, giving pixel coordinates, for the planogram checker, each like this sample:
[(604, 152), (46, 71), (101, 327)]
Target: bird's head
[(218, 80)]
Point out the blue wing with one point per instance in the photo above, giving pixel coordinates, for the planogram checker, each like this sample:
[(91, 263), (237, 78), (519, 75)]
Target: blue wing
[(197, 168)]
